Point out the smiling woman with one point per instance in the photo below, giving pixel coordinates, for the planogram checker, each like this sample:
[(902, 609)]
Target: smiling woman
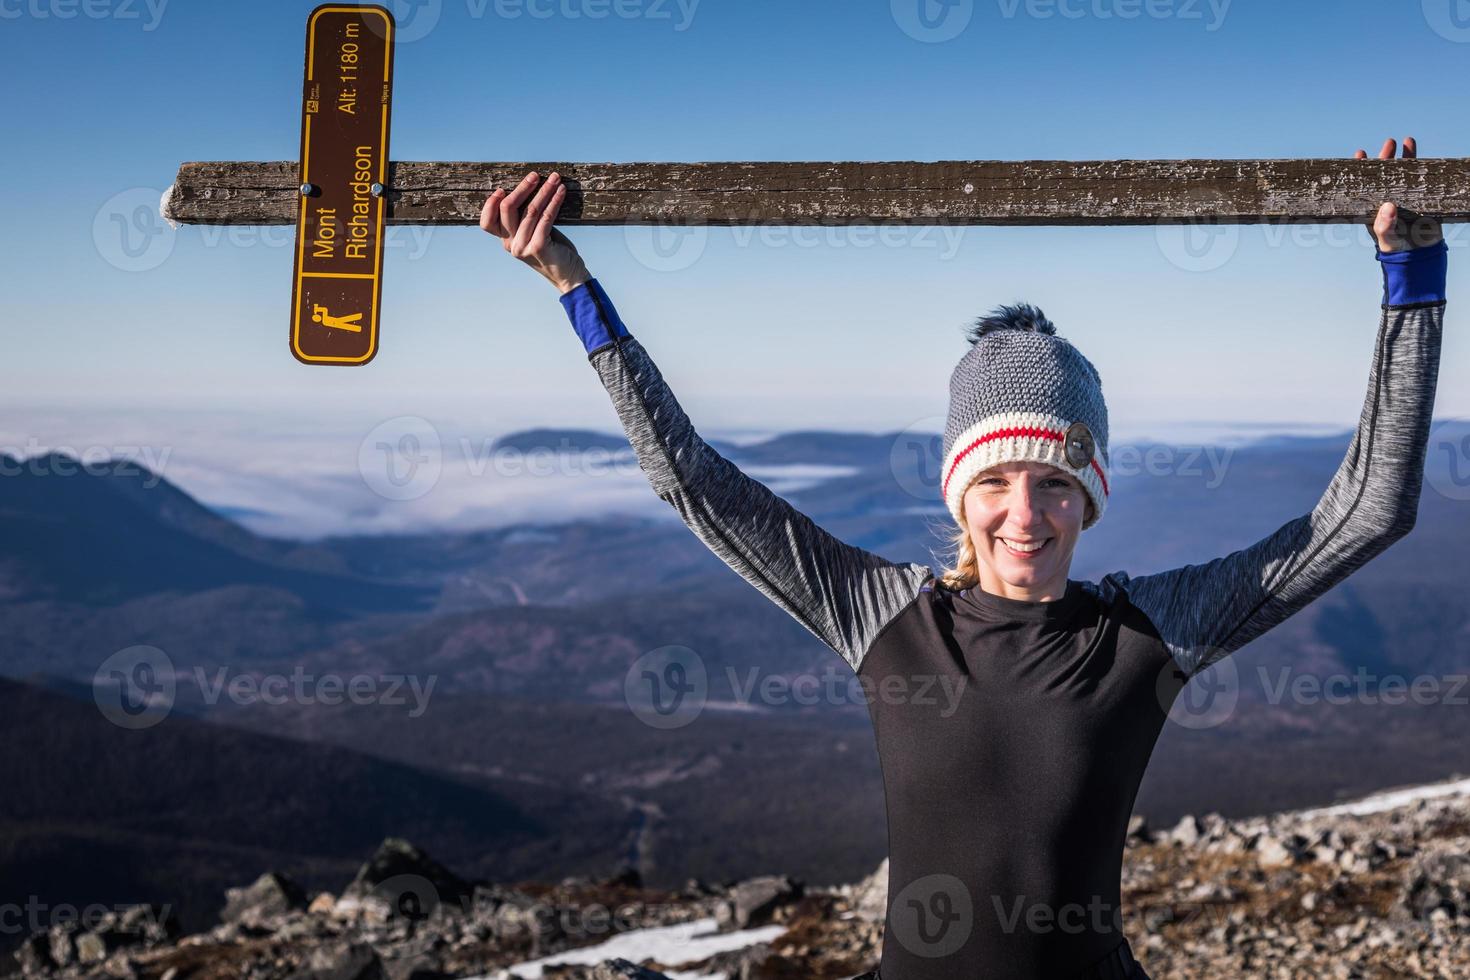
[(1028, 517), (1008, 808), (1025, 456)]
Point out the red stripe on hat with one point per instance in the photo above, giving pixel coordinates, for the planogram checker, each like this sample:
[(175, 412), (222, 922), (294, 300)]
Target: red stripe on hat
[(1018, 430)]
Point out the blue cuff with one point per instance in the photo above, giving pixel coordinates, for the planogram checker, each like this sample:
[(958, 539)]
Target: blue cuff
[(1415, 275), (593, 315)]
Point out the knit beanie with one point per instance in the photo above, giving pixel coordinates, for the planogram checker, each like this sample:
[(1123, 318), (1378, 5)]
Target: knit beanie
[(1022, 393)]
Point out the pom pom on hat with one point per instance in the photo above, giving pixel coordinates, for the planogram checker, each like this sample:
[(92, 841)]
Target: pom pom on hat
[(1022, 316)]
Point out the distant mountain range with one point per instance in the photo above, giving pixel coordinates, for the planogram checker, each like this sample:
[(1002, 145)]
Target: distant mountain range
[(526, 760)]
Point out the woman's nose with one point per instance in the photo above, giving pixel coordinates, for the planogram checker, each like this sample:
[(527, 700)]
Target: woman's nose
[(1021, 505)]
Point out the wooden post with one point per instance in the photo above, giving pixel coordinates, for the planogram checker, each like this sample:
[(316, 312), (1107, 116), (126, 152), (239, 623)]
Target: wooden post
[(966, 192)]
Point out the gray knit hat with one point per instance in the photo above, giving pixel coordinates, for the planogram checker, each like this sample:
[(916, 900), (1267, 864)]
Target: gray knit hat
[(1021, 393)]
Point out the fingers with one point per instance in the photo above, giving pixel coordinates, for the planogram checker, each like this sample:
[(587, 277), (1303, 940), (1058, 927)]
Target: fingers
[(1411, 150), (1388, 225), (548, 217), (510, 205), (490, 213), (502, 214), (527, 226)]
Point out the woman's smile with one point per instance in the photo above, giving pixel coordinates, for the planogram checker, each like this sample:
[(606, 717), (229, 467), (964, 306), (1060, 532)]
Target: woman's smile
[(1024, 550)]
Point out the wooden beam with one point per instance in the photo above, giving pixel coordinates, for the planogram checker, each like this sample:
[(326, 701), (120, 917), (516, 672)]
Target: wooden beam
[(967, 192)]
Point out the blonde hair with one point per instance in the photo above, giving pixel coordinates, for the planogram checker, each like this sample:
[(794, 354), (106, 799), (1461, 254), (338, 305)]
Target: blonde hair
[(964, 573)]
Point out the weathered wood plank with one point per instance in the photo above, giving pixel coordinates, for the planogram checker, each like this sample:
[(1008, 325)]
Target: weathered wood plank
[(968, 192)]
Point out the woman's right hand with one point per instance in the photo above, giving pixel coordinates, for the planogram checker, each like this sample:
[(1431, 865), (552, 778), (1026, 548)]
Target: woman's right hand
[(1399, 229), (527, 232)]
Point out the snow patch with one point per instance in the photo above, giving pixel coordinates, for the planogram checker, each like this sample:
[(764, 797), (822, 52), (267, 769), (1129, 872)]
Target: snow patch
[(1391, 799), (668, 944)]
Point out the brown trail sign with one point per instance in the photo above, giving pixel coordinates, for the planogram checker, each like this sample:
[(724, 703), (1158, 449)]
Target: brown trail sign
[(341, 210), (965, 192)]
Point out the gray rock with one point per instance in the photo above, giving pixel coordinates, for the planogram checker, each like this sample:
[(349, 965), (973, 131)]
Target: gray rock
[(871, 897), (62, 939), (271, 894), (621, 969), (752, 902), (613, 969), (1278, 851), (1437, 879), (345, 961), (423, 966), (94, 947), (1186, 832), (1137, 828), (401, 881), (34, 955)]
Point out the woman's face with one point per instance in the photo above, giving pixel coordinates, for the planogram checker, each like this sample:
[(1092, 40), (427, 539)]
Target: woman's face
[(1030, 504)]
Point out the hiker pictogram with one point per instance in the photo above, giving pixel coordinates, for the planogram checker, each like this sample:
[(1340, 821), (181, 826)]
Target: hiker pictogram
[(320, 315)]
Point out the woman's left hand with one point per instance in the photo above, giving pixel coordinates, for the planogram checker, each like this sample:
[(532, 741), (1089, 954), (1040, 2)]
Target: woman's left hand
[(1398, 228)]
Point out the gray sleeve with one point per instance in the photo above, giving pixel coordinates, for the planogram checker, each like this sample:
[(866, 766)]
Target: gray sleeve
[(842, 594), (1206, 612)]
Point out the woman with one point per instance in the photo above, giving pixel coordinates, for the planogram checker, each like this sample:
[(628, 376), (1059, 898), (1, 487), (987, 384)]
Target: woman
[(1007, 812)]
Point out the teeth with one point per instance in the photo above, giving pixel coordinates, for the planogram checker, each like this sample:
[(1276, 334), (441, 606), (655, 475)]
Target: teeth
[(1024, 547)]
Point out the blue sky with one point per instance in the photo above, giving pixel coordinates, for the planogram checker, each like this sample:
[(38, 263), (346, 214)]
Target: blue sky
[(159, 333)]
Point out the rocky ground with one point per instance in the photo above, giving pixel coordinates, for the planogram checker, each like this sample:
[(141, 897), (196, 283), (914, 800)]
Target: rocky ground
[(1306, 894)]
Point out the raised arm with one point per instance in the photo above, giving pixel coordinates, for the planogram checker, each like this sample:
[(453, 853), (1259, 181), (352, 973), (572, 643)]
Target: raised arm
[(842, 594), (1206, 612)]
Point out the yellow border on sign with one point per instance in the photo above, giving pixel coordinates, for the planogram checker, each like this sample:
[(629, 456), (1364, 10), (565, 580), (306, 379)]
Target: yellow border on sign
[(376, 274)]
